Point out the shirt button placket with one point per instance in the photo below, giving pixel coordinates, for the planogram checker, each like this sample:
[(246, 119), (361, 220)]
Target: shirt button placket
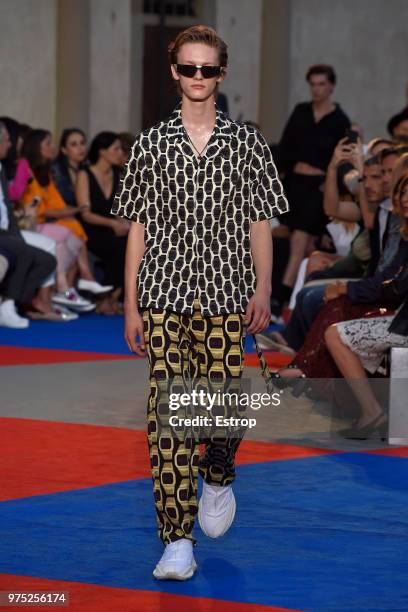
[(199, 222), (192, 210)]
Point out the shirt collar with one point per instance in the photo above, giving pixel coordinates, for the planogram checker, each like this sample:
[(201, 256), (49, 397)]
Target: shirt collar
[(386, 204), (175, 128)]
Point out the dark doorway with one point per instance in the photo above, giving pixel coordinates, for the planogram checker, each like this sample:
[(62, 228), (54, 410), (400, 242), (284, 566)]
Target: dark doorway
[(159, 93)]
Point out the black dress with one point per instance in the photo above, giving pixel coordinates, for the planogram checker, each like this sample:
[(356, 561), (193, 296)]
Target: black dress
[(305, 140), (102, 241)]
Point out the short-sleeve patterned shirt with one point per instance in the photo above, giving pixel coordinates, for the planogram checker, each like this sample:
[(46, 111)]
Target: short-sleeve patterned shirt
[(198, 213)]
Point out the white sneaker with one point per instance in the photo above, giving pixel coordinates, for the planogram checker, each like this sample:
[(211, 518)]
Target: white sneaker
[(93, 286), (72, 299), (65, 313), (9, 316), (216, 509), (177, 562)]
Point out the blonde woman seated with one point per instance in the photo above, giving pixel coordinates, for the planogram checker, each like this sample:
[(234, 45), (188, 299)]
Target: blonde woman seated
[(359, 345)]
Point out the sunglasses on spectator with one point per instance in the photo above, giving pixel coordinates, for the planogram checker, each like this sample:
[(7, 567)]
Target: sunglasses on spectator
[(189, 70)]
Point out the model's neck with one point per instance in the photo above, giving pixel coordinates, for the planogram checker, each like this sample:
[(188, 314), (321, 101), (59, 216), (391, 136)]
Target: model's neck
[(195, 114)]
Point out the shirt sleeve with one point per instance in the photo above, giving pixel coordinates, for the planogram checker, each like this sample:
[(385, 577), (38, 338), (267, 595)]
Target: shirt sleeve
[(130, 198), (267, 197)]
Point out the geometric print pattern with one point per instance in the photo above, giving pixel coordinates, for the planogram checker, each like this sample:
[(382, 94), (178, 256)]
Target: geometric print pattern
[(184, 350), (197, 213)]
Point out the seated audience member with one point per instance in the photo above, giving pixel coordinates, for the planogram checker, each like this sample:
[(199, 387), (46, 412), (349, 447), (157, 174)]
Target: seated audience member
[(342, 234), (18, 175), (400, 168), (5, 261), (342, 188), (359, 345), (384, 242), (126, 142), (22, 283), (313, 360), (310, 299), (57, 220), (372, 149), (346, 216), (398, 126), (70, 159), (96, 189), (17, 171)]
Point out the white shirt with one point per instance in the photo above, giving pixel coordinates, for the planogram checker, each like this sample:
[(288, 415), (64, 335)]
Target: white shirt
[(4, 218), (385, 208)]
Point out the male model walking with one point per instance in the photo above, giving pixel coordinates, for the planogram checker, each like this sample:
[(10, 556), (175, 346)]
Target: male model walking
[(200, 189)]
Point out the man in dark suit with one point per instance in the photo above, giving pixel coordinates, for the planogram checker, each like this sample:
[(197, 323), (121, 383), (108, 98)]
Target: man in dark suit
[(31, 265)]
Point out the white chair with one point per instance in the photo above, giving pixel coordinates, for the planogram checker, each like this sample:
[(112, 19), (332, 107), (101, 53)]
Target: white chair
[(398, 406)]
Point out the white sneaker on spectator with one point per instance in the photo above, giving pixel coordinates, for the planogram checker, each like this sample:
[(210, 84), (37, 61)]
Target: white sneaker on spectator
[(93, 286), (9, 316), (177, 562), (216, 509), (72, 299), (66, 313)]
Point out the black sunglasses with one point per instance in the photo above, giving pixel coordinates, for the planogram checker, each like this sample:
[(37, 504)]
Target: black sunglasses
[(208, 72)]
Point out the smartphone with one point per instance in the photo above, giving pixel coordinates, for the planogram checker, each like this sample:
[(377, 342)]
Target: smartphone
[(352, 136)]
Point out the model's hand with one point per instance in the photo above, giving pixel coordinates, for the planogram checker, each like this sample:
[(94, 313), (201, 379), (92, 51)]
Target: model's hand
[(133, 328), (258, 312)]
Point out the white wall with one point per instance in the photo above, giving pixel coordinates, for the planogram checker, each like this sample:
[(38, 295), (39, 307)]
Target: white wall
[(110, 65), (28, 61), (239, 23), (367, 43)]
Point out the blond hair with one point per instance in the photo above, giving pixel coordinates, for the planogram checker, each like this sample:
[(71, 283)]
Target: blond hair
[(396, 202)]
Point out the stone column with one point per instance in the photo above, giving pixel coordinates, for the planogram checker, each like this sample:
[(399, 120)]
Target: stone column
[(239, 23), (110, 65)]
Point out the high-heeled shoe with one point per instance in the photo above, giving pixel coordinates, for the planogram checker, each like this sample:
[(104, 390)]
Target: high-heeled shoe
[(298, 385), (377, 426)]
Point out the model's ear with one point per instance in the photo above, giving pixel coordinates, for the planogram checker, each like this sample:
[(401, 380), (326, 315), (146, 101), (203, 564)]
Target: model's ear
[(222, 75), (174, 72)]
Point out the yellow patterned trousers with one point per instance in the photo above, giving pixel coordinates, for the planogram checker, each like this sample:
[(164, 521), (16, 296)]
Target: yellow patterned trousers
[(182, 349)]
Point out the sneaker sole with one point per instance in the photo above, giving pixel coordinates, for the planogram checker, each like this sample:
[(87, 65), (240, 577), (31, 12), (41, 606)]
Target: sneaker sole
[(175, 575), (68, 303), (229, 523)]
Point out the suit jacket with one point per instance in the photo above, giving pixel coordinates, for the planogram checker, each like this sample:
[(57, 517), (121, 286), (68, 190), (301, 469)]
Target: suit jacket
[(375, 242), (13, 228)]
